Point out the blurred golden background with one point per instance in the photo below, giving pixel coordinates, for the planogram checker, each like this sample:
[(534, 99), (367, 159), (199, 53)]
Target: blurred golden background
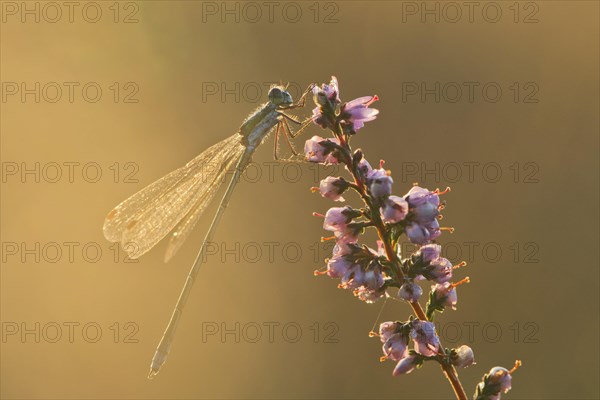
[(177, 76)]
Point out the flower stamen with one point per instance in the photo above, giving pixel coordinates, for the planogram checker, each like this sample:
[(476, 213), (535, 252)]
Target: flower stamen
[(518, 363), (461, 264), (373, 100), (438, 192), (462, 281)]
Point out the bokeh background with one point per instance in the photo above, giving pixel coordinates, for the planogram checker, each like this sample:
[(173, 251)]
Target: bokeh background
[(536, 300)]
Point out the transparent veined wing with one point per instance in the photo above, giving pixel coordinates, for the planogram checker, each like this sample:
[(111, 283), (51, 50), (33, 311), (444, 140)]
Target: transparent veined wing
[(187, 224), (146, 217), (182, 231)]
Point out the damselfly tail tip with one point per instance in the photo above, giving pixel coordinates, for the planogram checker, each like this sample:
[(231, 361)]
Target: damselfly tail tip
[(158, 360), (153, 372)]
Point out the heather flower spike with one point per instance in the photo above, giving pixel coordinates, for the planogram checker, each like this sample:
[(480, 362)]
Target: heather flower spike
[(369, 274)]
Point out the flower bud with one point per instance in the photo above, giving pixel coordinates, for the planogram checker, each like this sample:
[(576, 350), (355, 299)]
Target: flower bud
[(353, 278), (342, 249), (410, 291), (338, 266), (439, 270), (426, 340), (380, 183), (421, 233), (495, 382), (429, 252), (462, 357), (501, 377), (363, 167), (327, 93), (418, 196), (387, 329), (332, 188), (327, 100), (395, 347), (349, 234), (425, 212), (355, 113), (406, 365), (373, 278), (445, 294), (338, 218), (394, 209), (319, 150), (416, 233), (433, 229)]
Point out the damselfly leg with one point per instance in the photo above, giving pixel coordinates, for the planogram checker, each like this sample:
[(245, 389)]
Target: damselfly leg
[(287, 132), (284, 126), (303, 125), (301, 101)]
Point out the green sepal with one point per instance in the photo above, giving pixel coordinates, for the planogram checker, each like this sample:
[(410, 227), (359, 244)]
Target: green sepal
[(434, 304)]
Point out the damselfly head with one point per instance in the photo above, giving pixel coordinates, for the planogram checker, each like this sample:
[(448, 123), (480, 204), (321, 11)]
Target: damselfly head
[(279, 96)]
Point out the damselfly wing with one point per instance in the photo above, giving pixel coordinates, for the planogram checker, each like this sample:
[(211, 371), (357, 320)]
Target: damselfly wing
[(173, 203)]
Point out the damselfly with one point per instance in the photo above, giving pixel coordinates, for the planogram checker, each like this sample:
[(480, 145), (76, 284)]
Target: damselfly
[(174, 203)]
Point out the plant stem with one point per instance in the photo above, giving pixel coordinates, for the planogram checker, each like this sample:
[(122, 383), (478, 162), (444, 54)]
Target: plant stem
[(448, 369)]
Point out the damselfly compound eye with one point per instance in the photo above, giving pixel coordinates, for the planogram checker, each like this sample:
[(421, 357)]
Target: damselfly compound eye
[(276, 95)]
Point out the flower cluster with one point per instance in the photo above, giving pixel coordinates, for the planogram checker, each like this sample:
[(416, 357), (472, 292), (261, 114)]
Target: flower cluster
[(359, 268), (369, 273), (428, 264), (350, 116), (395, 337)]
